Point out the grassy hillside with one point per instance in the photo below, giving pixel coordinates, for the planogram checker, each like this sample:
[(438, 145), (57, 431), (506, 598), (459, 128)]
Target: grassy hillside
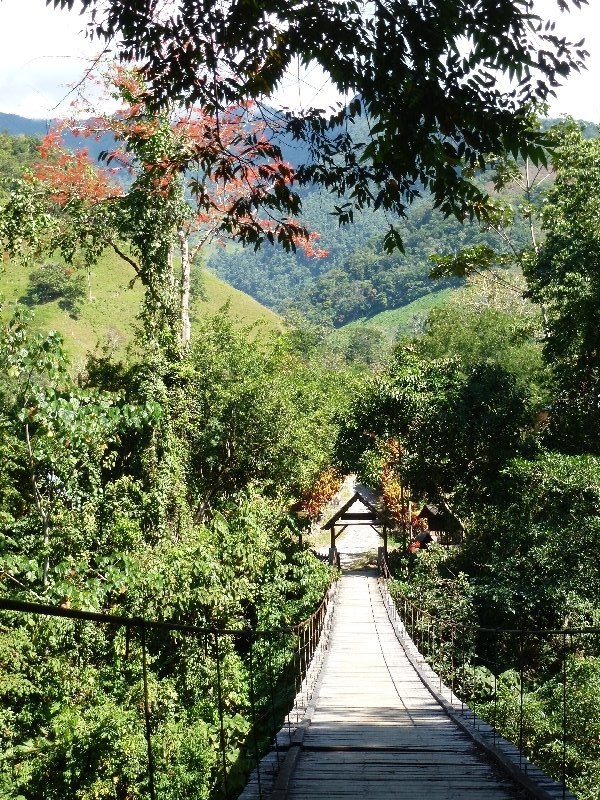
[(408, 319), (111, 313)]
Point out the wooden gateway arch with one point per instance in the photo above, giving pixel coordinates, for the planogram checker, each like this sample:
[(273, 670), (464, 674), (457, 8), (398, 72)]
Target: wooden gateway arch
[(374, 517)]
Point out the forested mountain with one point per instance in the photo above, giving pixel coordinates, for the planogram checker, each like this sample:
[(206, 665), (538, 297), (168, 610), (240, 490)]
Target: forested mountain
[(17, 126), (16, 152), (358, 278)]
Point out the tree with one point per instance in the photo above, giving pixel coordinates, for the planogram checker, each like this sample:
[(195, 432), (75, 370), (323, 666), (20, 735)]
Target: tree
[(454, 429), (56, 440), (425, 74), (172, 199), (561, 266), (511, 221), (16, 152), (565, 279), (53, 281), (249, 413), (509, 338)]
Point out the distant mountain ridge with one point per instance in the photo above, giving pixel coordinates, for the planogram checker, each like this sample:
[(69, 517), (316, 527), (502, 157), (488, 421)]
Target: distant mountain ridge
[(22, 126), (293, 151), (16, 125)]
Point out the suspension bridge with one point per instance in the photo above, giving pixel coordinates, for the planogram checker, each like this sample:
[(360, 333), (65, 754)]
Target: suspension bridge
[(370, 717), (376, 721)]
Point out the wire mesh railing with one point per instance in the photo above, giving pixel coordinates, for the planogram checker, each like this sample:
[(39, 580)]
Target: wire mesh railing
[(229, 695), (528, 685)]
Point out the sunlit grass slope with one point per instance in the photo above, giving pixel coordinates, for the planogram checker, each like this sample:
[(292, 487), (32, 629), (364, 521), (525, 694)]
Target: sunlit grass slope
[(407, 320), (111, 313)]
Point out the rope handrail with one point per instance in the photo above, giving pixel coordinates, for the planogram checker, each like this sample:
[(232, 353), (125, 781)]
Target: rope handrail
[(387, 575), (452, 651), (42, 609)]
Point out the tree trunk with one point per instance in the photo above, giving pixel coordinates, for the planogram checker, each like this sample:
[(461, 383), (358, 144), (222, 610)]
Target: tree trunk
[(186, 275)]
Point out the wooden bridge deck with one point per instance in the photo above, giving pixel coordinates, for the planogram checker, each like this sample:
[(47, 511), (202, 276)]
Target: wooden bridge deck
[(375, 730)]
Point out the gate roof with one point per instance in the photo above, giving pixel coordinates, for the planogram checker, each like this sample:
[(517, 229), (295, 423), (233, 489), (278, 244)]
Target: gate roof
[(370, 499)]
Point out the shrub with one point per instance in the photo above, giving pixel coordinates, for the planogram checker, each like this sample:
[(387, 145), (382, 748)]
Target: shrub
[(53, 281)]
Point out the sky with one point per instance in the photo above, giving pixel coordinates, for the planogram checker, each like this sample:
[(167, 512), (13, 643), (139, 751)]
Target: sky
[(43, 51)]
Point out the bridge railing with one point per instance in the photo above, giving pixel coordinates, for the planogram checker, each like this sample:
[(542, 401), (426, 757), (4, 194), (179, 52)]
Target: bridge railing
[(136, 653), (492, 675)]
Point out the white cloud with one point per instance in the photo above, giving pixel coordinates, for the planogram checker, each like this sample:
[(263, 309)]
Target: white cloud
[(42, 52), (580, 95)]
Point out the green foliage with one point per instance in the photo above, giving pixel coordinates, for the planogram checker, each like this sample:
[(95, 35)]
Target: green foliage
[(564, 279), (53, 281), (456, 428), (408, 320), (366, 345), (434, 588), (529, 561), (533, 553), (113, 303), (357, 279), (453, 112), (169, 204), (100, 501), (475, 335), (543, 722), (251, 411), (467, 261), (16, 153), (108, 320), (60, 439)]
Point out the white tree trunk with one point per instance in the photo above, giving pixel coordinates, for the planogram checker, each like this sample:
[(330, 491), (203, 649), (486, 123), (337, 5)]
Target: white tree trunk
[(186, 275)]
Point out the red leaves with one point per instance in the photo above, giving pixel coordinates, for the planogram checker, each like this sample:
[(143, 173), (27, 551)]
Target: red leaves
[(326, 485), (70, 176), (236, 183), (307, 244)]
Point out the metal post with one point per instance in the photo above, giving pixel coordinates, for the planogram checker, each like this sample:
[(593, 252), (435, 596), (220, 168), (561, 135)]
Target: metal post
[(451, 665), (463, 671), (298, 671), (564, 710), (272, 696), (147, 716), (127, 640), (332, 558), (496, 689), (521, 689), (404, 538), (385, 542), (221, 721), (253, 713)]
